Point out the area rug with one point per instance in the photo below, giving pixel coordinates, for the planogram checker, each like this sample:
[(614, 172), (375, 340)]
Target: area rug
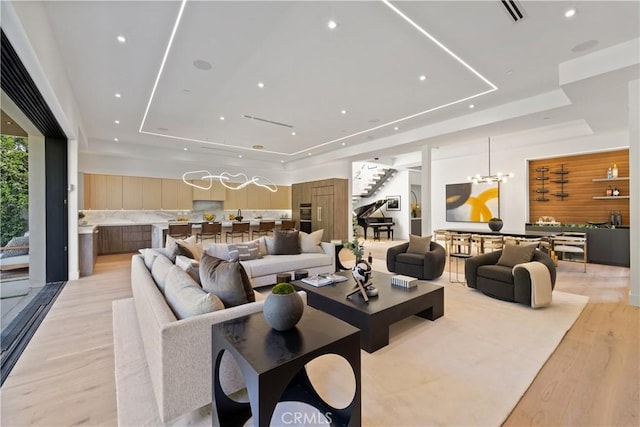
[(468, 368)]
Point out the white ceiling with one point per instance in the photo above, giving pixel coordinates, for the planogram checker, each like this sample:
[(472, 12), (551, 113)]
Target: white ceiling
[(369, 65)]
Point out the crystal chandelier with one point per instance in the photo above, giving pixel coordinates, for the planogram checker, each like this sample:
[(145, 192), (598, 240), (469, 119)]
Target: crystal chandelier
[(497, 177)]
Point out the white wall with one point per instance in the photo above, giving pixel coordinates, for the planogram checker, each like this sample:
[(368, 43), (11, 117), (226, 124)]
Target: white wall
[(454, 163), (634, 190)]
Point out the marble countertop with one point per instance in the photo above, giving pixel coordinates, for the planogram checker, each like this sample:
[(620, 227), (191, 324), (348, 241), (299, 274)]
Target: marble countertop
[(86, 229)]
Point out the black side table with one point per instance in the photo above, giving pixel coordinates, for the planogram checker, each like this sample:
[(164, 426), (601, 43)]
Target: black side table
[(273, 365)]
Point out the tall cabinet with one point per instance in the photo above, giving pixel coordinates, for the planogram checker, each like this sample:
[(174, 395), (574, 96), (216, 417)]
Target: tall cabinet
[(329, 206)]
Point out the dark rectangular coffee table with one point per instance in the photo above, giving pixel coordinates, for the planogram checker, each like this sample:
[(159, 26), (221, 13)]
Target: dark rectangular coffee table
[(374, 317)]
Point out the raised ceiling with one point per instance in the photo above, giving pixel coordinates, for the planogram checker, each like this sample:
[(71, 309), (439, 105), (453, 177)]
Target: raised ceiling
[(174, 91)]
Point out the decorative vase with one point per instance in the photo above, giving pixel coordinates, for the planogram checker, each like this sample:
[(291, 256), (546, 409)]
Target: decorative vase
[(495, 225), (283, 311)]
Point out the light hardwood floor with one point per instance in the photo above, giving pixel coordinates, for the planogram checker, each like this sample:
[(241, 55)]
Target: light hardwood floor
[(66, 375)]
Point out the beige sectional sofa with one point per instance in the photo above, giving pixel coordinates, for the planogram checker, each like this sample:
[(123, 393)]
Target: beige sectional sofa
[(262, 271), (177, 352)]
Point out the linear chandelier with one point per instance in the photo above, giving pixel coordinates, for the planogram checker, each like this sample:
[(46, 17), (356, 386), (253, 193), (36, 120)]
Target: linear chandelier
[(498, 177), (225, 179)]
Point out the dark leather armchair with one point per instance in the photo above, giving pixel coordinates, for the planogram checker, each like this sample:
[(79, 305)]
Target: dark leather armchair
[(483, 273), (427, 266)]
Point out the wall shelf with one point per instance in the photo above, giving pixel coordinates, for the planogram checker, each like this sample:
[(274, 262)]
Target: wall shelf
[(610, 197), (620, 178)]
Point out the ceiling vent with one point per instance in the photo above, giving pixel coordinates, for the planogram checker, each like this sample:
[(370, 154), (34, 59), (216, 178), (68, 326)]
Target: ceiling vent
[(246, 116), (514, 10)]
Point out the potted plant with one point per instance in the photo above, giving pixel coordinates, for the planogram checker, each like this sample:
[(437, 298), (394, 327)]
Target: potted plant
[(495, 224), (81, 216), (354, 245), (283, 307)]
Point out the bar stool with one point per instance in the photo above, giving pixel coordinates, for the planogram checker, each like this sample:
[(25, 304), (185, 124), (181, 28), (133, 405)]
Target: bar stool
[(264, 228), (442, 236), (477, 242), (288, 224), (210, 229), (238, 229), (459, 248), (571, 243), (179, 230)]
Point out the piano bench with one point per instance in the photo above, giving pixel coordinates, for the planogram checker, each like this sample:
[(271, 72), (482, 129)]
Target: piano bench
[(377, 229)]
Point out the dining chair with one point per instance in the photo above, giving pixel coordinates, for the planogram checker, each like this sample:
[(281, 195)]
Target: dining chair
[(210, 229), (572, 246), (492, 243), (459, 248), (238, 229), (288, 224)]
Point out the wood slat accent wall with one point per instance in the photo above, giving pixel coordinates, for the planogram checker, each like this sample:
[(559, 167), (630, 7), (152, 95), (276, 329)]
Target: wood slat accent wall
[(580, 206)]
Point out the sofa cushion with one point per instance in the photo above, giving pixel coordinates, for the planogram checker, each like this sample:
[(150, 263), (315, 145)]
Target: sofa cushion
[(244, 251), (516, 254), (497, 272), (227, 280), (190, 266), (286, 243), (310, 243), (150, 255), (274, 264), (418, 244), (16, 241), (160, 269), (407, 258), (186, 298)]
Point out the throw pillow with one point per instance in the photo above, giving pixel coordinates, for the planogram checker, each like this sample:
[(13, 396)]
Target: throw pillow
[(227, 280), (186, 298), (310, 243), (160, 269), (286, 243), (418, 244), (190, 266), (516, 254), (269, 243), (16, 241), (186, 247), (244, 251), (150, 256)]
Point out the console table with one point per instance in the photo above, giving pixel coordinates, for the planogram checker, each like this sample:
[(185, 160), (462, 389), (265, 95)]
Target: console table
[(273, 366)]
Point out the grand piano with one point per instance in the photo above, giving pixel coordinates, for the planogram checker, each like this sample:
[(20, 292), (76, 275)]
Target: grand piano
[(378, 223)]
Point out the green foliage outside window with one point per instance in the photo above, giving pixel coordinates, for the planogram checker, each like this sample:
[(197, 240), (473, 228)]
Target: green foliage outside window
[(14, 187)]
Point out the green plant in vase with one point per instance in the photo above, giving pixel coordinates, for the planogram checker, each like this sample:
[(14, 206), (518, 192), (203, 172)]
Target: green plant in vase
[(354, 245)]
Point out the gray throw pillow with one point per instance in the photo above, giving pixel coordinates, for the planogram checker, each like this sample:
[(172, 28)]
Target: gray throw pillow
[(160, 269), (516, 254), (186, 298), (286, 243), (227, 280), (150, 256), (244, 251), (418, 244)]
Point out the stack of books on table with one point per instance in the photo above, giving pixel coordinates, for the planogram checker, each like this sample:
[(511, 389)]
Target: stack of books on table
[(404, 281), (324, 279)]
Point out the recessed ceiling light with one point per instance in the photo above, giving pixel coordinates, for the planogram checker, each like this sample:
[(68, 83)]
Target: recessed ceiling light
[(240, 155), (122, 39), (221, 117), (115, 139), (308, 154), (260, 85), (472, 105), (396, 128), (332, 24), (343, 111), (293, 133), (570, 13), (281, 161), (117, 95), (344, 143), (423, 78), (185, 148), (117, 122), (9, 122), (509, 72)]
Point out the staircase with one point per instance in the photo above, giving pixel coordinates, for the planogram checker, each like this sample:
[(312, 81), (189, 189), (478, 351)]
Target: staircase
[(370, 178)]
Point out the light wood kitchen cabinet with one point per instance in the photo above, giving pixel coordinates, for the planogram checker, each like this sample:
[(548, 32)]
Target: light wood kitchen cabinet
[(329, 206), (114, 192), (236, 199), (176, 195), (258, 197), (132, 193), (151, 193), (281, 199), (97, 186), (216, 192)]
